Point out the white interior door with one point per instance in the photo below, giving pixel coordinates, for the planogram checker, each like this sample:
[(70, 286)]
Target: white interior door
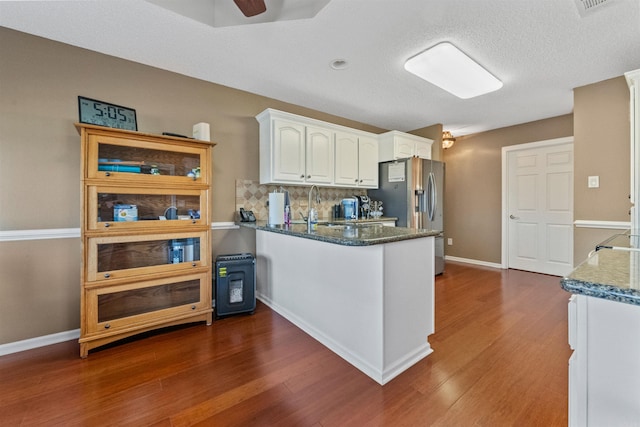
[(540, 209)]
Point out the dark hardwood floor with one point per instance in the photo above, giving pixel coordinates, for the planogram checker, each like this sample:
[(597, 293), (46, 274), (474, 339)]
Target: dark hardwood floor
[(500, 359)]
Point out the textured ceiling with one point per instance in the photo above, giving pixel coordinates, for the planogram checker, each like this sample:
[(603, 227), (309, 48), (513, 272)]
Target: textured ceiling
[(540, 50)]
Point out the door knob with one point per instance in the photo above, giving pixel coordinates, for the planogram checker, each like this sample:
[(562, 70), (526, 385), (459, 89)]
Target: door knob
[(513, 217)]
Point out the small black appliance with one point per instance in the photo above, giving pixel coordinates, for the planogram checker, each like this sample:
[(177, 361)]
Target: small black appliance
[(235, 284)]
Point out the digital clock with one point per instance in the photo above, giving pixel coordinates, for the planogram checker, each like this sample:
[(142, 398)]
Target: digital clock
[(101, 113)]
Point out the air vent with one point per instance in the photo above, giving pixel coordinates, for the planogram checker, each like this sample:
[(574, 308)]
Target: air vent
[(587, 7)]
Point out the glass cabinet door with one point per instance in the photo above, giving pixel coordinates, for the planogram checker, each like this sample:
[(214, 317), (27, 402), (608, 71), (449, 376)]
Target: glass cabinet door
[(112, 258), (113, 307), (146, 161), (114, 208)]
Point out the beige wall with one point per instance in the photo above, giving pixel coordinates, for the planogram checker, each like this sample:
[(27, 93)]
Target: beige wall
[(40, 81), (435, 133), (601, 148), (39, 164), (600, 126), (473, 186)]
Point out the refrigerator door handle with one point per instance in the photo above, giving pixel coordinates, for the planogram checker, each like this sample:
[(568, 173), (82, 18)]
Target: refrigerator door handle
[(432, 196)]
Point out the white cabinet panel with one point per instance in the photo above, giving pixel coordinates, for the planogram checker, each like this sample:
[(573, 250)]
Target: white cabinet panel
[(367, 162), (604, 370), (395, 145), (300, 150), (346, 159), (288, 151), (356, 160), (319, 155)]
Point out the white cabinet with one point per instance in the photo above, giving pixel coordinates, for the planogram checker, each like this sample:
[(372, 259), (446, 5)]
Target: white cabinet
[(298, 154), (300, 150), (604, 369), (319, 155), (395, 145), (356, 160), (287, 152), (633, 80)]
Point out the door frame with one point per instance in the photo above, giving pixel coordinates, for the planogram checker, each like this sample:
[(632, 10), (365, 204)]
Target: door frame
[(505, 186)]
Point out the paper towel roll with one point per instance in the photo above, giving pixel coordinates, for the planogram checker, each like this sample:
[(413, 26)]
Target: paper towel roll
[(276, 208)]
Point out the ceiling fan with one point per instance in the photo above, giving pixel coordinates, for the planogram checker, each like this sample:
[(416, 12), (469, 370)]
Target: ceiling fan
[(225, 13), (251, 7)]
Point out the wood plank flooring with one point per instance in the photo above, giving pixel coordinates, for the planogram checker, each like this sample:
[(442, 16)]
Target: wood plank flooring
[(500, 359)]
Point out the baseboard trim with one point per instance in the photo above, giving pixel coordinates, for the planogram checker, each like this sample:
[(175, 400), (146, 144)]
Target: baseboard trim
[(472, 261), (31, 343)]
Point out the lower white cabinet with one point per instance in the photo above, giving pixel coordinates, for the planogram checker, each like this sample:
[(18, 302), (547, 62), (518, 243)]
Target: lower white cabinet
[(604, 369)]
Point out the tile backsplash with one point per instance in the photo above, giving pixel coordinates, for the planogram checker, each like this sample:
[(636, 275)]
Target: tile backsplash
[(251, 195)]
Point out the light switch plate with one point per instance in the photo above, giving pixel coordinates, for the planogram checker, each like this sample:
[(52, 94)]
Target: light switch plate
[(594, 182)]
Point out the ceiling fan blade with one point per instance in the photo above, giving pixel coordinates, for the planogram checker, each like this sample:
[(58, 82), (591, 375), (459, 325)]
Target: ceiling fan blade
[(251, 7)]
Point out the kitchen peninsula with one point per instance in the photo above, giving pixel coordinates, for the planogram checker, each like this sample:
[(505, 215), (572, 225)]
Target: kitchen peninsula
[(364, 291)]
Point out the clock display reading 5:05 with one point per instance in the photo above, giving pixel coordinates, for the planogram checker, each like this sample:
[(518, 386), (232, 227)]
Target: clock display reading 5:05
[(102, 113)]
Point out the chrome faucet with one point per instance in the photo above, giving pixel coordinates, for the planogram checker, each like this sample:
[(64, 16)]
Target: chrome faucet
[(309, 216)]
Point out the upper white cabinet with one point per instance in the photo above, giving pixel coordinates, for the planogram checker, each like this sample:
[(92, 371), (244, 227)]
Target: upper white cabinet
[(298, 154), (395, 145), (287, 152), (356, 160), (300, 150), (319, 155)]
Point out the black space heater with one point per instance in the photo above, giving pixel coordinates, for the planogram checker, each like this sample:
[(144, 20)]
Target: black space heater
[(235, 284)]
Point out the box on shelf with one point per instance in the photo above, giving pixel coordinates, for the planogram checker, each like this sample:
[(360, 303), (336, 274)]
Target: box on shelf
[(125, 213)]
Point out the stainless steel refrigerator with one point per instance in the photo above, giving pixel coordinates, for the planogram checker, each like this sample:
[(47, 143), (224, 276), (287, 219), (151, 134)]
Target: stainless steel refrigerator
[(413, 191)]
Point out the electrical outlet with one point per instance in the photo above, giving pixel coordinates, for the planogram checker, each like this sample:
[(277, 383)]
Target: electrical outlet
[(450, 241)]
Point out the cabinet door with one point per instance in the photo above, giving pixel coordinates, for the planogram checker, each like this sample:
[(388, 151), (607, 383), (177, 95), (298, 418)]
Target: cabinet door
[(346, 172), (112, 258), (423, 149), (147, 160), (367, 162), (111, 208), (319, 155), (288, 151), (131, 305), (403, 148)]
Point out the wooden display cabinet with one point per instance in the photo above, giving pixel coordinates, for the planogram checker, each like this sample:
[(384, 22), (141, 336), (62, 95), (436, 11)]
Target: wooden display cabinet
[(146, 235)]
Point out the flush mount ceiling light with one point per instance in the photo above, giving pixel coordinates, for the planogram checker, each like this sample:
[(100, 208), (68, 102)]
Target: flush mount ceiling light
[(447, 140), (445, 66)]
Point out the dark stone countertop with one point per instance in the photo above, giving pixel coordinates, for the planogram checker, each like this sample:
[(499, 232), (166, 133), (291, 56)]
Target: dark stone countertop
[(346, 233), (609, 273)]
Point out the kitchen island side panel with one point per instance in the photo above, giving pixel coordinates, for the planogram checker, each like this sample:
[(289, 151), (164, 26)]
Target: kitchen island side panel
[(341, 296)]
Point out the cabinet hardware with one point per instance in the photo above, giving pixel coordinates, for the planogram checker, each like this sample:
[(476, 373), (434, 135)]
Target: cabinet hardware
[(107, 275), (107, 326), (107, 225), (107, 174)]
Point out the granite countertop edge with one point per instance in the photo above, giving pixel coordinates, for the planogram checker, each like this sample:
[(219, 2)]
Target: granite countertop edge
[(599, 290), (607, 273), (300, 231)]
